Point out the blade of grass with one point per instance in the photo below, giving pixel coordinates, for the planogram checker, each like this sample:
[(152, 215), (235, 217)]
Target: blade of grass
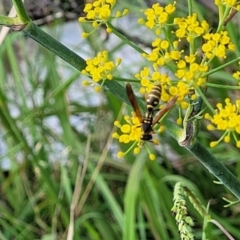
[(130, 199), (108, 196)]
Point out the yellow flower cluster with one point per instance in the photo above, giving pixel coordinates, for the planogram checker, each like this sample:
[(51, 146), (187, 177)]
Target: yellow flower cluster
[(148, 81), (227, 119), (190, 72), (100, 12), (99, 68), (216, 44), (163, 52), (157, 16), (190, 28), (131, 132), (190, 67)]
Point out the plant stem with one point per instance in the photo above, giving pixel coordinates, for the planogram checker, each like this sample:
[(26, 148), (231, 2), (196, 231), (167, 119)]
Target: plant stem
[(21, 11), (124, 39), (9, 21), (220, 67)]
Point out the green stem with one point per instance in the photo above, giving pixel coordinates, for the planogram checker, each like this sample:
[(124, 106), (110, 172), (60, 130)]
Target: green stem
[(190, 7), (166, 34), (224, 16), (124, 39), (9, 21), (190, 11), (220, 67), (222, 86), (220, 14), (202, 95), (208, 160), (21, 12)]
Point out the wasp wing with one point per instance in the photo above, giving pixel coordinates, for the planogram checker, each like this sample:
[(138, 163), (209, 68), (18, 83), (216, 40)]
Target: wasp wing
[(163, 111), (132, 99)]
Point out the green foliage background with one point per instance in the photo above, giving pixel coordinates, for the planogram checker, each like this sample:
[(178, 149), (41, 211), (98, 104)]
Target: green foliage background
[(63, 180)]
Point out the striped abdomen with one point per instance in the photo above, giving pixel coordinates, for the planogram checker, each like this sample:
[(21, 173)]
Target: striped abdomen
[(153, 98)]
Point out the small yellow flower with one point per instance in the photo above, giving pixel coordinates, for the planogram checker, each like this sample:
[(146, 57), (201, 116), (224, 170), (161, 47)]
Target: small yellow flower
[(97, 88), (179, 121), (164, 44), (152, 157), (175, 55), (120, 154), (85, 35), (126, 128), (213, 144), (136, 150)]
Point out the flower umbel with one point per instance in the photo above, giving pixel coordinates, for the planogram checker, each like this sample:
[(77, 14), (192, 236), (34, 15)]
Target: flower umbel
[(131, 132), (217, 44), (100, 12), (226, 119), (100, 68), (157, 16), (190, 27)]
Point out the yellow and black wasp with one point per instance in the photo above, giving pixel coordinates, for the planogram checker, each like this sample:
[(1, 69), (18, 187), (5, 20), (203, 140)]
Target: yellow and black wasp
[(152, 99)]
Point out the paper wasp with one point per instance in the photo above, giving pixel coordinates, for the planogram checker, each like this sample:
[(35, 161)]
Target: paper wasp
[(147, 121)]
